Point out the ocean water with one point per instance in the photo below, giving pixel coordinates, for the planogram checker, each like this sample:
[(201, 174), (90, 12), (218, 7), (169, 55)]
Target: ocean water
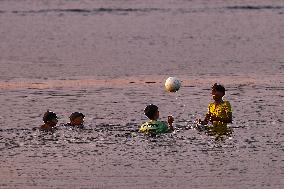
[(109, 59)]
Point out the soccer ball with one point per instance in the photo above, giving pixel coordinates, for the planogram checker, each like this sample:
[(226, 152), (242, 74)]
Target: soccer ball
[(172, 84)]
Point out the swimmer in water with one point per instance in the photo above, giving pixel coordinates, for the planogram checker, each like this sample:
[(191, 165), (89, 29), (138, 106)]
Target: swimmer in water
[(76, 120), (50, 121), (153, 125), (219, 112)]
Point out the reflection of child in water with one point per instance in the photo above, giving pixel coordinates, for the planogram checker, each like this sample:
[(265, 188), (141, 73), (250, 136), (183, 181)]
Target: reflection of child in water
[(153, 125), (219, 112), (50, 121), (76, 120)]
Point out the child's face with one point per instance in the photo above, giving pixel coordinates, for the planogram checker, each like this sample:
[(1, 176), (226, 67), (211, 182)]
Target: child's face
[(77, 121), (217, 95), (53, 122)]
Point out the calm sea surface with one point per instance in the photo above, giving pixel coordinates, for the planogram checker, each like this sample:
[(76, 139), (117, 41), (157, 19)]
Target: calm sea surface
[(109, 59)]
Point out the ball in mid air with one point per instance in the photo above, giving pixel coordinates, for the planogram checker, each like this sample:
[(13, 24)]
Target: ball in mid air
[(172, 84)]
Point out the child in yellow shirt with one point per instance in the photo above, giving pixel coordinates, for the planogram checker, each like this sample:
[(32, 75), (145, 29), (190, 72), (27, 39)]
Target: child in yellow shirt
[(219, 112)]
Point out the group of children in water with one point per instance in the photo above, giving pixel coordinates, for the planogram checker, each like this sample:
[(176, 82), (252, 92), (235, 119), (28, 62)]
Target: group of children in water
[(50, 121), (218, 115)]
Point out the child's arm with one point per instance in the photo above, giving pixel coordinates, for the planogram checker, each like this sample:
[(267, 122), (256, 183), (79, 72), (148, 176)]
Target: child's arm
[(206, 119), (170, 122)]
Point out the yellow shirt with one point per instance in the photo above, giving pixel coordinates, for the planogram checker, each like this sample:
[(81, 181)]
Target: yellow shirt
[(219, 110)]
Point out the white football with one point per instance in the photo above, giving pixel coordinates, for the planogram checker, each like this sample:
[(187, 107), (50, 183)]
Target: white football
[(172, 84)]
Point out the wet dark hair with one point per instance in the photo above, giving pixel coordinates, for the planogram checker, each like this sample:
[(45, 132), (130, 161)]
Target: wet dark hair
[(76, 114), (48, 116), (150, 111), (219, 87)]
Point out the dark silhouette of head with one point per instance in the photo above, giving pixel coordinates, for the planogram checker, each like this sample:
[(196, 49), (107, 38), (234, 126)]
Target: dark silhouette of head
[(151, 111), (49, 116), (219, 88)]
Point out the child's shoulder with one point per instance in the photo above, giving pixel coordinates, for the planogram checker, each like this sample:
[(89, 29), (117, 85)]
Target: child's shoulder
[(149, 122), (153, 126), (211, 104), (226, 102), (153, 122), (227, 106), (44, 127)]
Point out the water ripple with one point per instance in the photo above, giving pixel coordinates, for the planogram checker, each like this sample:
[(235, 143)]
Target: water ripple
[(88, 11), (255, 7)]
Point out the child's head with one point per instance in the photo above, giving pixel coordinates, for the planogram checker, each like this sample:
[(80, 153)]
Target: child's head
[(218, 91), (77, 118), (152, 112), (50, 118)]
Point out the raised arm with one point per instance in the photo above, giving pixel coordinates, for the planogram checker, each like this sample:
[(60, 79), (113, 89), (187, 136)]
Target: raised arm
[(206, 119), (170, 122)]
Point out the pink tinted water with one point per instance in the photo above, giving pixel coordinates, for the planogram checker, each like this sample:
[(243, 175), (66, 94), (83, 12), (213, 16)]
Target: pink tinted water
[(109, 59)]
